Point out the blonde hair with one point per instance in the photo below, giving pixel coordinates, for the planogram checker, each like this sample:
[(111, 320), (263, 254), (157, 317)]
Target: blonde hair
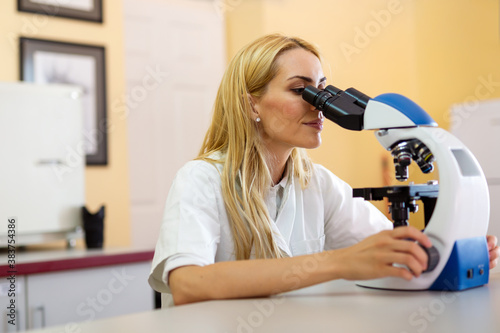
[(245, 176)]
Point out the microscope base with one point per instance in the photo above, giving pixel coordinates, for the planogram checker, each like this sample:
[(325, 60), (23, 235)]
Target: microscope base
[(467, 267)]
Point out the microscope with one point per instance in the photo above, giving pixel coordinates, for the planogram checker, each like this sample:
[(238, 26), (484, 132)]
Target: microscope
[(456, 210)]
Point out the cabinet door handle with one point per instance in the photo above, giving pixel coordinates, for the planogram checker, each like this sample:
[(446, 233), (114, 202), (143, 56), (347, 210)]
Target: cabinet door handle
[(50, 162), (39, 309)]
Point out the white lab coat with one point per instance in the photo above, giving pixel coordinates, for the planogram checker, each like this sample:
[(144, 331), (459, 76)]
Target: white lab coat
[(196, 229)]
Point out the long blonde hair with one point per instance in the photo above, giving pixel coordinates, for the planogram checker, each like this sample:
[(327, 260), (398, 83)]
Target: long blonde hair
[(245, 176)]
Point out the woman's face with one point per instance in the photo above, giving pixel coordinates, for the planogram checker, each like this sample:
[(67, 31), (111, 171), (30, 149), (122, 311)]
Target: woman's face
[(287, 121)]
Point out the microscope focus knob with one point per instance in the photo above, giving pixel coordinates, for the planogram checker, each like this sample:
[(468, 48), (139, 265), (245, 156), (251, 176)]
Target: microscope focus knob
[(433, 258)]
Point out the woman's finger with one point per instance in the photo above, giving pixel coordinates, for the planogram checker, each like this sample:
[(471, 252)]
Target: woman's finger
[(492, 242), (414, 249), (399, 272), (413, 234), (494, 256)]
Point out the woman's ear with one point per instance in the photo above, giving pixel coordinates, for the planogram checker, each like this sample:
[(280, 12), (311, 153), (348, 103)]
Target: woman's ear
[(253, 105)]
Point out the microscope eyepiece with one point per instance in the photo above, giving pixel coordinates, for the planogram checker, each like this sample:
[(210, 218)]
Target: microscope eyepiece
[(316, 97), (333, 90), (345, 108)]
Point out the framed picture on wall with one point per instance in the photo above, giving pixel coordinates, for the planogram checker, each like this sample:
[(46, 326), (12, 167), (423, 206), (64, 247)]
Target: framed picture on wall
[(46, 62), (88, 10)]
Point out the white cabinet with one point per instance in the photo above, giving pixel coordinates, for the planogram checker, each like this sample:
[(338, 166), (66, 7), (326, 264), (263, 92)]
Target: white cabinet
[(68, 287), (70, 297), (43, 183)]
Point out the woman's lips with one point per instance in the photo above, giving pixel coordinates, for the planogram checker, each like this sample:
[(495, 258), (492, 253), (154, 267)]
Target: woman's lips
[(318, 124)]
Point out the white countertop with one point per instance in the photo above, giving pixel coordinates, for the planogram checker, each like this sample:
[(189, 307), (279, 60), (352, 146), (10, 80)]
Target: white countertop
[(336, 306)]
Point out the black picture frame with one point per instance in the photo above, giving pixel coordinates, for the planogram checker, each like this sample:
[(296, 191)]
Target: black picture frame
[(91, 11), (47, 61)]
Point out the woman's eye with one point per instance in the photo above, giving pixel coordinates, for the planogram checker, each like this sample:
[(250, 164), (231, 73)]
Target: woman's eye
[(298, 91)]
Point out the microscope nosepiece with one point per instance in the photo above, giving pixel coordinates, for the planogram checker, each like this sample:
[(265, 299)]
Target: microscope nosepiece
[(423, 156), (406, 151)]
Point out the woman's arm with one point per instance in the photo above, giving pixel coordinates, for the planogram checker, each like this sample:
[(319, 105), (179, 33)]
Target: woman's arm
[(369, 259)]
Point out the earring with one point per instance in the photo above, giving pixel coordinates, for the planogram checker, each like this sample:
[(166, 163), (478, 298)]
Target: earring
[(258, 119)]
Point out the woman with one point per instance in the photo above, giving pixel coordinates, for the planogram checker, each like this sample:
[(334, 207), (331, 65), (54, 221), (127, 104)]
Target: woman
[(254, 194)]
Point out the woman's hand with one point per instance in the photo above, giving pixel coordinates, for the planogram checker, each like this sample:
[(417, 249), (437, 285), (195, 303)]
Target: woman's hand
[(374, 256), (493, 249)]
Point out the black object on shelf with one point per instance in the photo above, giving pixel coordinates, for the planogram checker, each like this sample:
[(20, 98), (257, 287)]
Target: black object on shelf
[(93, 225)]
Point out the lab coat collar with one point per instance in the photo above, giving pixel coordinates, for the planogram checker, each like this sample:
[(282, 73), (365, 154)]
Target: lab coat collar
[(286, 216), (287, 174), (286, 219)]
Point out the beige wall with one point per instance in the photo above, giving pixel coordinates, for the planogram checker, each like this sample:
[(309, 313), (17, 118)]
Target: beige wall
[(104, 184), (435, 52)]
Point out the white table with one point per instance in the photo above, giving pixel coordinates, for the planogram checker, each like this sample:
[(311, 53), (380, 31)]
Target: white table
[(337, 306)]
